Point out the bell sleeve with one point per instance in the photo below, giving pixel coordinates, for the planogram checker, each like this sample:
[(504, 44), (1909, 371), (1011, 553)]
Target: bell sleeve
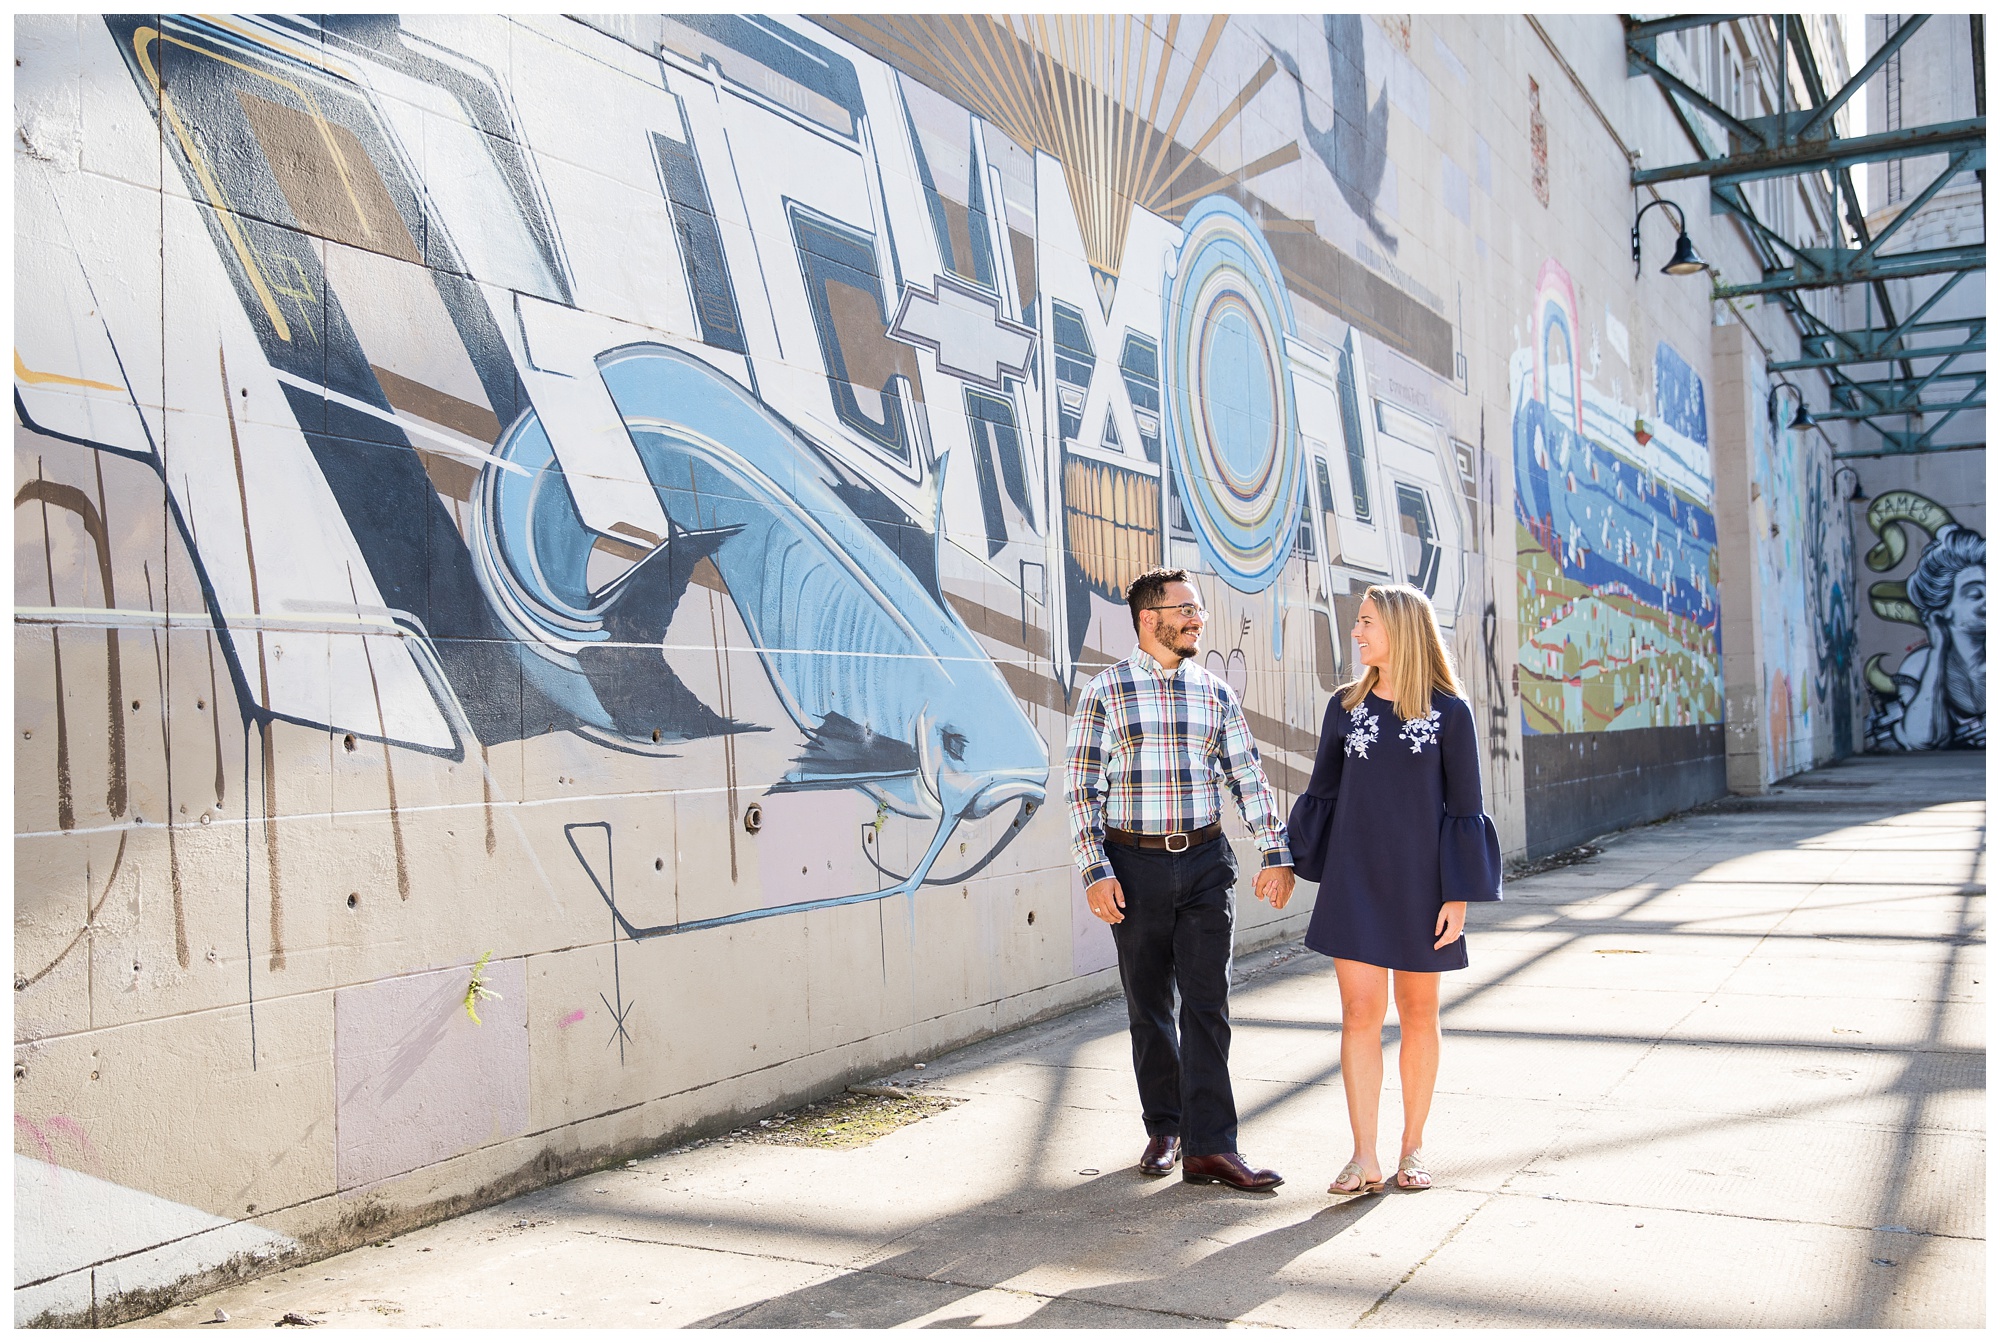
[(1468, 846), (1310, 826)]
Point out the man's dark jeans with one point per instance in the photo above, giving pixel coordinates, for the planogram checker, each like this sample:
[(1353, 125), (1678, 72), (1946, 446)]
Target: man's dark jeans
[(1178, 933)]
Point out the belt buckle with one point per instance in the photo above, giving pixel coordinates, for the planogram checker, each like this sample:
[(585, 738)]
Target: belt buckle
[(1180, 835)]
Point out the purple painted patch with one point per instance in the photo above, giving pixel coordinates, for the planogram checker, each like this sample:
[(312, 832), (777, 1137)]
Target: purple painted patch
[(571, 1018), (415, 1081), (811, 847)]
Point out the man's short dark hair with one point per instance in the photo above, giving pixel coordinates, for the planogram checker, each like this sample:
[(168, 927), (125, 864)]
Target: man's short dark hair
[(1148, 589)]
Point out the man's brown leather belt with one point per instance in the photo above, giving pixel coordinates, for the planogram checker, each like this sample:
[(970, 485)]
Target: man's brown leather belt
[(1178, 842)]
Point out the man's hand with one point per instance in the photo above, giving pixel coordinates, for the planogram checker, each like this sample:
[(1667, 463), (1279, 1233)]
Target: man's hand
[(1451, 922), (1107, 900), (1274, 886)]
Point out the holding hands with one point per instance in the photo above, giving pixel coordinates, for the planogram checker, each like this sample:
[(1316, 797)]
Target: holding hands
[(1274, 886)]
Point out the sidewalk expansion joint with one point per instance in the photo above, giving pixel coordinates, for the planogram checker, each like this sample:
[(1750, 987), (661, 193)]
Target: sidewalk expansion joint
[(1504, 1192), (1432, 1253)]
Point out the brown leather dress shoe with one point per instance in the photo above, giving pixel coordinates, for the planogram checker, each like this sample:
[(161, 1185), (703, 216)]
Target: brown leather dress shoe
[(1160, 1155), (1228, 1168)]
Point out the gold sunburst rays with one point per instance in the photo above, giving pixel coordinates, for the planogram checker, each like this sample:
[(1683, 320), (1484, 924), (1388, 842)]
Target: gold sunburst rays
[(1088, 90)]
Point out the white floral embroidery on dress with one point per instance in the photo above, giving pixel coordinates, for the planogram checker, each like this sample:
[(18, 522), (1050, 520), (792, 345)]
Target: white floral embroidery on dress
[(1366, 728), (1420, 731)]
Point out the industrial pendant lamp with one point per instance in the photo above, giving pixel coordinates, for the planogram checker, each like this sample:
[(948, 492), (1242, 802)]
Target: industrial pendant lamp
[(1685, 260), (1801, 418)]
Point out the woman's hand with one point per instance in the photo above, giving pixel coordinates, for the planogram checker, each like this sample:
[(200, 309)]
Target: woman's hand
[(1451, 922)]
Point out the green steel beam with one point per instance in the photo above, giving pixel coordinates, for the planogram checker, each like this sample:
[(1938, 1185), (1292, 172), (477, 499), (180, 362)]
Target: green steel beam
[(1878, 340), (1861, 77), (1899, 441), (1642, 64), (1843, 177), (1974, 159), (1879, 344), (1831, 267), (1798, 142), (1934, 409), (1905, 396), (1909, 402), (1819, 155), (1890, 386), (1838, 360), (1635, 31)]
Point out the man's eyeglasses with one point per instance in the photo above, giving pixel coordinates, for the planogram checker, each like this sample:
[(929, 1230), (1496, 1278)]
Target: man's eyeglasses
[(1186, 610)]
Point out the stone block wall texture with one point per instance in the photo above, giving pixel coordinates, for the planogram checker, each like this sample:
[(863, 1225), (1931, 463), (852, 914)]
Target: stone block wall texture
[(552, 556)]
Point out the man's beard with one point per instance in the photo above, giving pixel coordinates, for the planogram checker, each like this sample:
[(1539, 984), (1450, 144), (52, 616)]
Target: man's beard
[(1185, 643)]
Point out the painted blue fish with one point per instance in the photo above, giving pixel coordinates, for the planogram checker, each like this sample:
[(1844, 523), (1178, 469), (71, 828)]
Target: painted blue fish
[(892, 693)]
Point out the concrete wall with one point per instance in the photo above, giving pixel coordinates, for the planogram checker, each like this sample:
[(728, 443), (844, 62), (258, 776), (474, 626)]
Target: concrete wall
[(612, 515), (1788, 590)]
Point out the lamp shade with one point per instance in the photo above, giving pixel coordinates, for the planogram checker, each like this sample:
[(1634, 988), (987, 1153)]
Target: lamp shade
[(1802, 418), (1686, 261)]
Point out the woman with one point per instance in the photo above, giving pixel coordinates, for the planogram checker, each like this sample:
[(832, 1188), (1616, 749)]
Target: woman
[(1393, 829)]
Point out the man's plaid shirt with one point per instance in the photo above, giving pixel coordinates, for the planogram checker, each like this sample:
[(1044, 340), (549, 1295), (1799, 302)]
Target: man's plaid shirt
[(1149, 750)]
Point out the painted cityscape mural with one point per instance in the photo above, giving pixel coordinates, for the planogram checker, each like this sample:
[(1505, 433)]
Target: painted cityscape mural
[(1615, 537)]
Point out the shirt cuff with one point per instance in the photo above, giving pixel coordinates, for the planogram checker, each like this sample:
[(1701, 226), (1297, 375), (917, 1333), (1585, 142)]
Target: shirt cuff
[(1095, 873), (1278, 857)]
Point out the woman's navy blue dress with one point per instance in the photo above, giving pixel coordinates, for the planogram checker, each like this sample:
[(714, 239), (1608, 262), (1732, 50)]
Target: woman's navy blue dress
[(1391, 827)]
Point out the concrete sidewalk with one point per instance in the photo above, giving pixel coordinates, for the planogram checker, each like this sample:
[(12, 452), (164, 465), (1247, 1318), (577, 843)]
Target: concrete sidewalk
[(1730, 1072)]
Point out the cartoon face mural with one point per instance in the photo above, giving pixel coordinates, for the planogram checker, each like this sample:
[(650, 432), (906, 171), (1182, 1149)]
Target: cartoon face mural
[(1935, 695), (1618, 566)]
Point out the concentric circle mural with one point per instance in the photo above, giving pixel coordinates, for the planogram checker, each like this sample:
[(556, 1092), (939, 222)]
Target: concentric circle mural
[(1232, 430)]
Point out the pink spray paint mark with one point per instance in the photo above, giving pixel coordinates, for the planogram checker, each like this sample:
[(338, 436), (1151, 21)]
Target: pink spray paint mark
[(45, 1134), (74, 1131), (572, 1019), (41, 1139)]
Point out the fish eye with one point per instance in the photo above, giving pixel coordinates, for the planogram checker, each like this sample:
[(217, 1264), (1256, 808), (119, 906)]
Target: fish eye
[(954, 743)]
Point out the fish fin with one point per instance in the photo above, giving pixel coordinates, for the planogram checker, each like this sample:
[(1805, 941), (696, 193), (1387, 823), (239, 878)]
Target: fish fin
[(841, 752)]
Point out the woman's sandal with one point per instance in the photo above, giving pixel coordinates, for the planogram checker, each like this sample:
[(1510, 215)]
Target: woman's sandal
[(1412, 1166), (1362, 1185)]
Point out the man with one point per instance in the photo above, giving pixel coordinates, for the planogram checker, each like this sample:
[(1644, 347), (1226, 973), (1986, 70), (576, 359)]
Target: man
[(1150, 745)]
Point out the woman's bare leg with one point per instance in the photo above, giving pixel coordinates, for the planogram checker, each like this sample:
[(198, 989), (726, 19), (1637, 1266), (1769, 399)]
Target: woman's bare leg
[(1364, 1001), (1417, 1057)]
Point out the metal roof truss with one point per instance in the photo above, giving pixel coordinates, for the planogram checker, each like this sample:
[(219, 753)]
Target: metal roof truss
[(1805, 141)]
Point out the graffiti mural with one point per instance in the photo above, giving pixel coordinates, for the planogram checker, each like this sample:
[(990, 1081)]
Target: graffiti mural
[(1934, 694), (1617, 572), (745, 465), (635, 498), (1805, 558), (906, 424)]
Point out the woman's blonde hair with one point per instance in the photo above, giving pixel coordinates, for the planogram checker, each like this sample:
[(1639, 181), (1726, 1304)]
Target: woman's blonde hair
[(1418, 660)]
